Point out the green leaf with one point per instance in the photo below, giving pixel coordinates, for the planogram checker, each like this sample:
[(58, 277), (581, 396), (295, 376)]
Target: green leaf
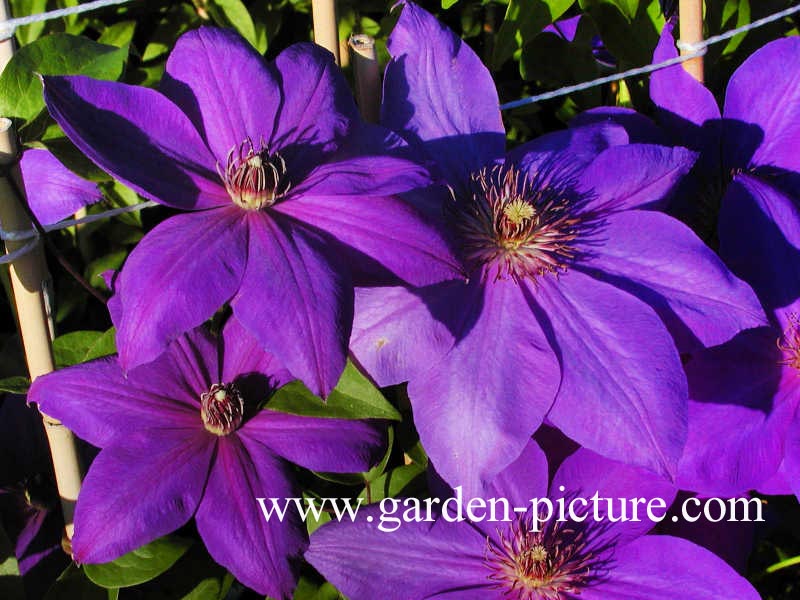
[(312, 590), (15, 385), (195, 576), (28, 33), (140, 565), (73, 584), (94, 270), (523, 21), (119, 34), (180, 16), (629, 8), (353, 398), (629, 36), (233, 13), (555, 62), (81, 346), (448, 3), (405, 480), (57, 54)]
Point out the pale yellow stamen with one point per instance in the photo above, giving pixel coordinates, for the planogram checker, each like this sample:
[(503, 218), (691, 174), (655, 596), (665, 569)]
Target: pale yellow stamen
[(518, 211)]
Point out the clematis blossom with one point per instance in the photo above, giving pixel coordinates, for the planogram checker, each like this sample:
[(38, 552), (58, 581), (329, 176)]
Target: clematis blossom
[(745, 394), (742, 196), (288, 198), (195, 413), (575, 285), (528, 556), (751, 138)]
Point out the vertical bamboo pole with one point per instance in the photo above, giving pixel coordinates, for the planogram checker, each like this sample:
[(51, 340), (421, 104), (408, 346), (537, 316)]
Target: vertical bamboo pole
[(27, 275), (690, 18), (326, 27), (368, 77)]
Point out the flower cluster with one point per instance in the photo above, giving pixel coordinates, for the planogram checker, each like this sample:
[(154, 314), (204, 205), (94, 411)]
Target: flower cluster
[(558, 284)]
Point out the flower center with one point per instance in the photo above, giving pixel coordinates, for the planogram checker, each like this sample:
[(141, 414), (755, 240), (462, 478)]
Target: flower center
[(517, 226), (254, 178), (789, 343), (562, 559), (221, 408)]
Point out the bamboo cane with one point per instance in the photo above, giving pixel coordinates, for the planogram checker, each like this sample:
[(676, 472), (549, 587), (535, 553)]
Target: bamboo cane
[(690, 17), (368, 77), (27, 275), (326, 28)]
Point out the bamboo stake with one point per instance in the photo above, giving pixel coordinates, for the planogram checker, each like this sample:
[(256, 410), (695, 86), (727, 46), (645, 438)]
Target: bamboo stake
[(690, 17), (368, 77), (27, 276), (326, 28)]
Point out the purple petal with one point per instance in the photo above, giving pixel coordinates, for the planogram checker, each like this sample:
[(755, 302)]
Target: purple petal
[(778, 484), (684, 103), (307, 324), (759, 238), (654, 566), (623, 392), (355, 177), (565, 28), (162, 157), (640, 129), (178, 276), (98, 403), (765, 91), (263, 555), (431, 74), (224, 86), (320, 444), (523, 479), (791, 463), (586, 473), (53, 191), (662, 262), (573, 149), (186, 370), (243, 356), (385, 230), (399, 332), (418, 560), (742, 402), (318, 108), (129, 480), (484, 386), (635, 175)]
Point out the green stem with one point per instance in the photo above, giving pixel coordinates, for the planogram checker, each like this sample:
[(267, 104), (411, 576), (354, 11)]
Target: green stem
[(789, 562)]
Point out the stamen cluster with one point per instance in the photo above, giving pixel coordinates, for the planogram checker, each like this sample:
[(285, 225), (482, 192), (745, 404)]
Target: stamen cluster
[(254, 177), (789, 343), (222, 408), (554, 563), (518, 226)]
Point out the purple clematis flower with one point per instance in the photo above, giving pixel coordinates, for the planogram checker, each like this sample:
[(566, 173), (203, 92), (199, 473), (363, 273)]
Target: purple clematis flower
[(745, 394), (741, 194), (194, 413), (53, 191), (753, 138), (586, 559), (290, 196), (571, 280)]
